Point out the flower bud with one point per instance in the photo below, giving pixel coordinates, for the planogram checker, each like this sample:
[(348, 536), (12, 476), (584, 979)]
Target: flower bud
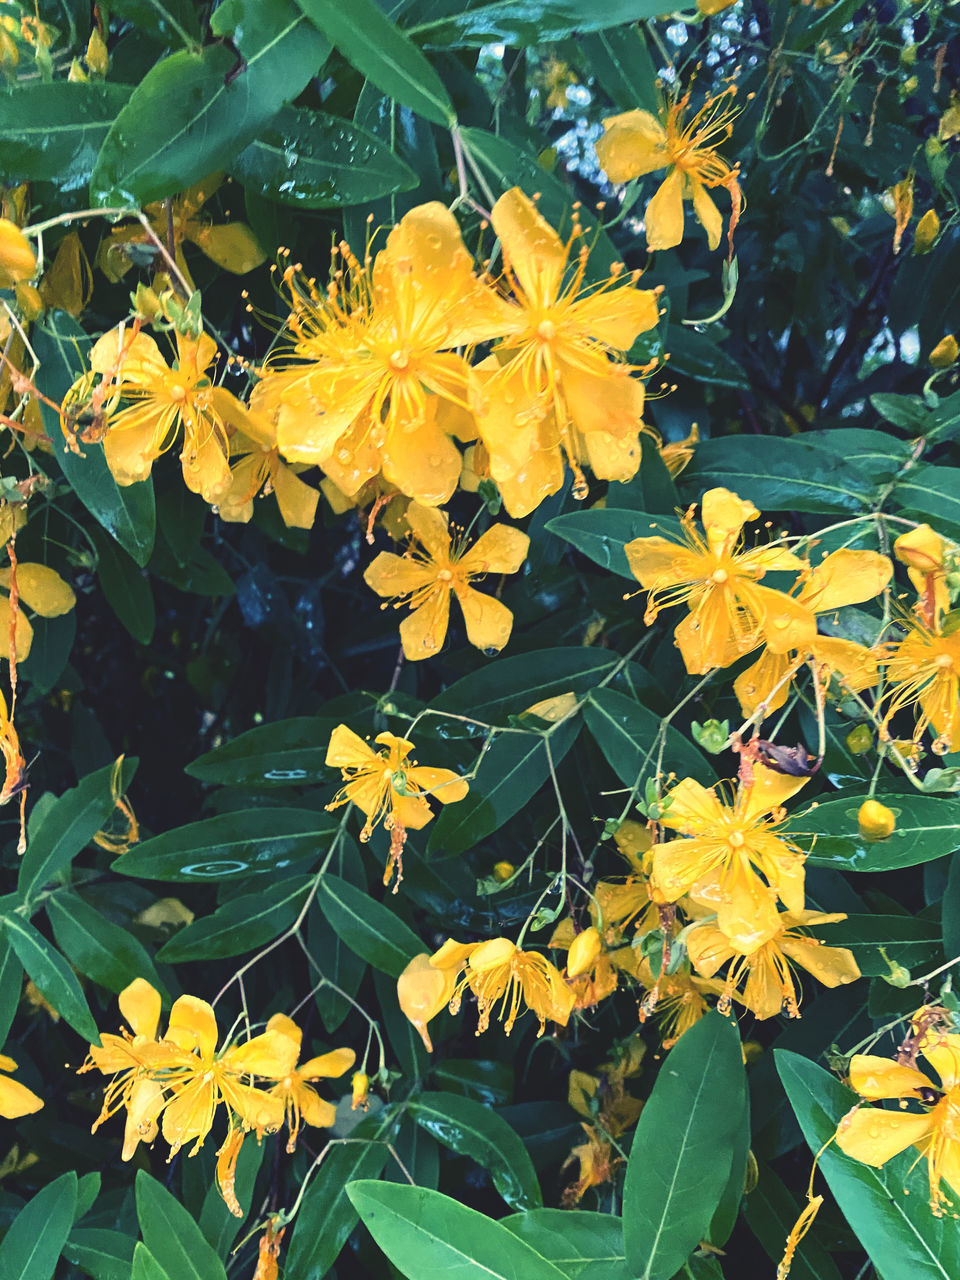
[(945, 353), (422, 991), (859, 739), (361, 1088), (502, 871), (875, 821), (920, 549), (17, 259), (928, 228), (583, 952)]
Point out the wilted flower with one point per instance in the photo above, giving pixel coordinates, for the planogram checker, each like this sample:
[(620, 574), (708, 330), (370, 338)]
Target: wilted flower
[(301, 1102), (428, 984)]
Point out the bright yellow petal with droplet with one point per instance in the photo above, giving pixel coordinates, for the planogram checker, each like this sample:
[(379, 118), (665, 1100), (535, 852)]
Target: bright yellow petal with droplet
[(763, 993), (391, 575), (232, 246), (422, 633), (768, 790), (707, 638), (189, 1114), (296, 499), (617, 316), (135, 439), (657, 562), (540, 475), (489, 622), (421, 461), (755, 685), (746, 910), (663, 217), (262, 1111), (854, 664), (429, 526), (833, 966), (607, 400), (315, 409), (724, 513), (23, 632), (41, 589), (193, 1026), (441, 784), (846, 577), (347, 750), (501, 549), (874, 1077), (203, 459), (612, 457), (708, 949), (787, 624), (633, 143), (532, 248), (873, 1136), (693, 808)]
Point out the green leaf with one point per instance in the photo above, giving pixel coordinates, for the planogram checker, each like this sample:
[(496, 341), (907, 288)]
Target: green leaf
[(316, 161), (217, 1223), (626, 733), (326, 1216), (52, 132), (193, 112), (52, 976), (512, 769), (159, 20), (621, 63), (472, 1129), (428, 1236), (880, 454), (517, 23), (683, 1149), (31, 1248), (145, 1266), (602, 533), (125, 586), (68, 825), (128, 512), (368, 928), (951, 915), (771, 1211), (931, 491), (780, 474), (575, 1240), (11, 986), (927, 827), (728, 1210), (908, 940), (335, 959), (887, 1208), (241, 924), (172, 1236), (96, 946), (243, 843), (384, 54), (101, 1253), (511, 685), (272, 755)]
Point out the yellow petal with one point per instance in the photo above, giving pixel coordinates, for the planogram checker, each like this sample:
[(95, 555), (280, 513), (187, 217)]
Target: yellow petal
[(724, 513), (532, 248), (657, 562), (135, 439), (708, 215), (347, 750), (663, 217), (853, 663), (316, 407), (633, 143), (314, 1110), (17, 1100), (143, 1108), (140, 1006), (285, 1026), (617, 316), (501, 549), (943, 1054), (874, 1078), (768, 790), (423, 990), (17, 259), (203, 459), (708, 638), (193, 1026), (441, 784), (609, 400), (873, 1136), (693, 808), (232, 246), (41, 589), (391, 575), (259, 1110), (188, 1116), (846, 577), (746, 911), (23, 634), (296, 499), (787, 624), (271, 1054), (755, 685), (489, 622), (613, 457), (422, 633), (833, 966), (421, 461), (708, 949), (68, 281), (328, 1065)]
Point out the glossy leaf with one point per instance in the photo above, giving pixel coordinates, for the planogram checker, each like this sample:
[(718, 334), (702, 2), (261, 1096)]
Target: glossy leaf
[(343, 969), (32, 1246), (51, 974), (242, 923), (908, 940), (898, 1231), (927, 827), (472, 1129), (577, 1241), (327, 1215), (384, 54), (56, 130), (951, 910), (68, 825), (243, 843), (428, 1236), (931, 492), (96, 946), (145, 1266), (11, 986), (517, 23), (513, 684), (101, 1253), (171, 1235), (125, 586), (776, 474), (602, 533), (621, 62), (689, 1123), (512, 769), (317, 161), (285, 753), (626, 733), (369, 929)]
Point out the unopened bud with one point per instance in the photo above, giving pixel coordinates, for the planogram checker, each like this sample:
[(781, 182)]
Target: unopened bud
[(945, 353), (361, 1088), (859, 740), (502, 871), (875, 821), (583, 952), (928, 228)]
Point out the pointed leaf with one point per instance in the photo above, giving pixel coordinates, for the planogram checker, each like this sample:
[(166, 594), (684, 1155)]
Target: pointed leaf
[(241, 924), (51, 974), (368, 928), (31, 1248), (172, 1236)]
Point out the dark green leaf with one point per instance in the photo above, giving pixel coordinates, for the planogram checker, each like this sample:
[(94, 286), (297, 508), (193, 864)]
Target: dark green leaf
[(428, 1236), (245, 842), (52, 976), (931, 491), (683, 1149), (241, 924), (52, 132), (510, 685), (280, 754), (69, 825), (126, 587), (517, 23), (384, 54), (927, 828), (32, 1246), (907, 940), (145, 1266), (472, 1129), (96, 946), (951, 912), (780, 475), (172, 1236), (160, 20), (627, 734), (336, 961), (368, 928), (101, 1253), (621, 63), (11, 986), (602, 533), (577, 1241), (318, 161)]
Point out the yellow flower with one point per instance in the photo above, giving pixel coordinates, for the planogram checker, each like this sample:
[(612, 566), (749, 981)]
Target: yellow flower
[(874, 1136), (637, 142), (426, 577), (679, 999), (843, 578), (924, 672), (721, 846), (555, 77), (260, 467), (301, 1102), (923, 551), (161, 401), (388, 787), (597, 1164), (231, 245), (499, 971), (590, 971), (428, 984), (41, 589), (558, 384), (376, 383), (768, 987), (729, 613), (17, 259), (15, 1098)]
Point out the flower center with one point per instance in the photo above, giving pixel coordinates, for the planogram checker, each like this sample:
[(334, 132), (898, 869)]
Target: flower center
[(736, 839), (444, 576), (399, 359), (546, 330), (719, 576), (178, 392), (944, 660)]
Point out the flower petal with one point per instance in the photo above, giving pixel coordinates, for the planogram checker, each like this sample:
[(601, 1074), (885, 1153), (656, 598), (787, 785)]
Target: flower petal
[(232, 245), (943, 1054), (390, 575), (270, 1054), (328, 1065), (193, 1026), (756, 684), (501, 549), (23, 634), (708, 215), (429, 527), (846, 577), (854, 664), (421, 461), (873, 1136), (441, 784), (17, 1100), (874, 1078), (833, 966), (532, 248), (140, 1006), (347, 750), (633, 143), (422, 633), (489, 622), (617, 316), (41, 589), (768, 790), (724, 513), (663, 216)]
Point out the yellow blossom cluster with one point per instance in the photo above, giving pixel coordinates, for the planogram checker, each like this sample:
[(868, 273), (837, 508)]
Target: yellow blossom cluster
[(174, 1085)]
